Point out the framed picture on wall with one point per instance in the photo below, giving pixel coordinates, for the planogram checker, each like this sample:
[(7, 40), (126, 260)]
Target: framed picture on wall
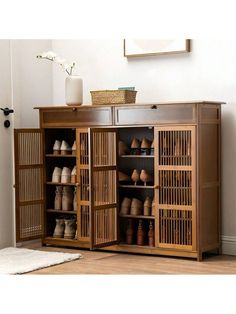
[(153, 47)]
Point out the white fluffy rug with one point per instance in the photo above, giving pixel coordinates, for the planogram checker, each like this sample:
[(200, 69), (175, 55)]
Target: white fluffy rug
[(18, 260)]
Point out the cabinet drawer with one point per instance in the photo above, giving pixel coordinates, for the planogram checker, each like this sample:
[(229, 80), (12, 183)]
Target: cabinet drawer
[(75, 117), (153, 114)]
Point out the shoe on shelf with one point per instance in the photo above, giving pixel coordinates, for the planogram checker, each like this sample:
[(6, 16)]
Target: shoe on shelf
[(57, 148), (73, 175), (67, 198), (125, 206), (59, 229), (58, 198), (152, 148), (145, 177), (135, 176), (70, 229), (122, 148), (147, 206), (65, 148), (74, 148), (153, 208), (56, 175), (135, 147), (66, 175), (136, 207), (145, 146), (123, 177)]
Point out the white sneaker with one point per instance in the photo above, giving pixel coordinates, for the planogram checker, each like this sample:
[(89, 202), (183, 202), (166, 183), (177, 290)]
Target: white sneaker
[(66, 175), (65, 148), (57, 147), (73, 175), (56, 175)]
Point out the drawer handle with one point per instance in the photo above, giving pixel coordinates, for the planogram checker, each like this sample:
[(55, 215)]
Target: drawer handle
[(154, 107), (74, 109)]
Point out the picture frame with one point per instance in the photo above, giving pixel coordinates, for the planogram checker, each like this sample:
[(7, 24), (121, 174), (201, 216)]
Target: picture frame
[(155, 47)]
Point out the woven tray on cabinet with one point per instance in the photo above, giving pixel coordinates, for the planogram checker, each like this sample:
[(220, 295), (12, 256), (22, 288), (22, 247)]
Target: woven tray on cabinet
[(109, 97)]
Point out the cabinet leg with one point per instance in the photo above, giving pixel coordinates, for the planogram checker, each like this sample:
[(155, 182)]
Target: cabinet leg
[(199, 257)]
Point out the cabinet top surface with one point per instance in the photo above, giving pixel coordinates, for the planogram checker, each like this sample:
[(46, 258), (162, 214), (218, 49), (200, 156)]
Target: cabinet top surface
[(135, 104)]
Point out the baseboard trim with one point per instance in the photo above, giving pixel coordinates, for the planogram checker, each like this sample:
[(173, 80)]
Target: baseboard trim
[(228, 245)]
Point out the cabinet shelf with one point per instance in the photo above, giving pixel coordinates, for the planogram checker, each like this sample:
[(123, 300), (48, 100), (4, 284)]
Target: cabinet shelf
[(59, 183), (54, 211), (135, 245), (136, 186), (136, 156), (60, 156), (137, 216), (60, 239)]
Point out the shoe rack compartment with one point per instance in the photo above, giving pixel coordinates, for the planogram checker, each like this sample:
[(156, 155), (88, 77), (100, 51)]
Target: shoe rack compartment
[(129, 232), (51, 222), (136, 159)]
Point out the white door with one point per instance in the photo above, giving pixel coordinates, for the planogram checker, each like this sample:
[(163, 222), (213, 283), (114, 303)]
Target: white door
[(6, 150)]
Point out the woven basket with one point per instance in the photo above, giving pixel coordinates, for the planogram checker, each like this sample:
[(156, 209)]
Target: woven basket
[(110, 97)]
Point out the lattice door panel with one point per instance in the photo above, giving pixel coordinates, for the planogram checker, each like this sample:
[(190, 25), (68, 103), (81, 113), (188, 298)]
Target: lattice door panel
[(175, 187), (31, 220), (29, 183), (103, 148), (176, 181), (83, 225), (83, 190), (104, 190), (175, 228), (105, 226), (175, 147)]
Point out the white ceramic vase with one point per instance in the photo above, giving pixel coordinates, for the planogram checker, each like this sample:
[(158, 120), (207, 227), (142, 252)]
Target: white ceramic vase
[(74, 90)]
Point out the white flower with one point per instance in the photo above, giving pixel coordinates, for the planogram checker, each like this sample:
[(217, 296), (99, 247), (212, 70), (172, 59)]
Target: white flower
[(52, 56)]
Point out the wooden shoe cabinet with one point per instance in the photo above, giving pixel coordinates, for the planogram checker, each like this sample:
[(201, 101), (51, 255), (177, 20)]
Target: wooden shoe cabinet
[(183, 166)]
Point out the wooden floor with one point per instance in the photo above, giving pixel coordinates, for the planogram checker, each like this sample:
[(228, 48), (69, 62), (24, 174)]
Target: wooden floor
[(96, 262)]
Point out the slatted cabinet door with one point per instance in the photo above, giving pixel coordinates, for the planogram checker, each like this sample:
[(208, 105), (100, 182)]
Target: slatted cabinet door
[(104, 186), (175, 168), (83, 201), (29, 183)]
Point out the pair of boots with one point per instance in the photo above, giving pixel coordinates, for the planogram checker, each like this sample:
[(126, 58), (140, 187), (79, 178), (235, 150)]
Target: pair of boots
[(131, 206), (65, 228), (64, 199), (135, 207), (64, 175)]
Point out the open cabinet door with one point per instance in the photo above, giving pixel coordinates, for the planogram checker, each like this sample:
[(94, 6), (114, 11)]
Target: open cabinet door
[(28, 184), (103, 192)]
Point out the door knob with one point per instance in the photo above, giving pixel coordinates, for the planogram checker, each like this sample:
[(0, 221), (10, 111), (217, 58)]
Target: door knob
[(7, 111)]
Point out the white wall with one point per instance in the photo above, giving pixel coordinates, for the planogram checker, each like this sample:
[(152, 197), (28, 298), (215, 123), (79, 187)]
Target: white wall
[(207, 73), (25, 83), (32, 80)]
